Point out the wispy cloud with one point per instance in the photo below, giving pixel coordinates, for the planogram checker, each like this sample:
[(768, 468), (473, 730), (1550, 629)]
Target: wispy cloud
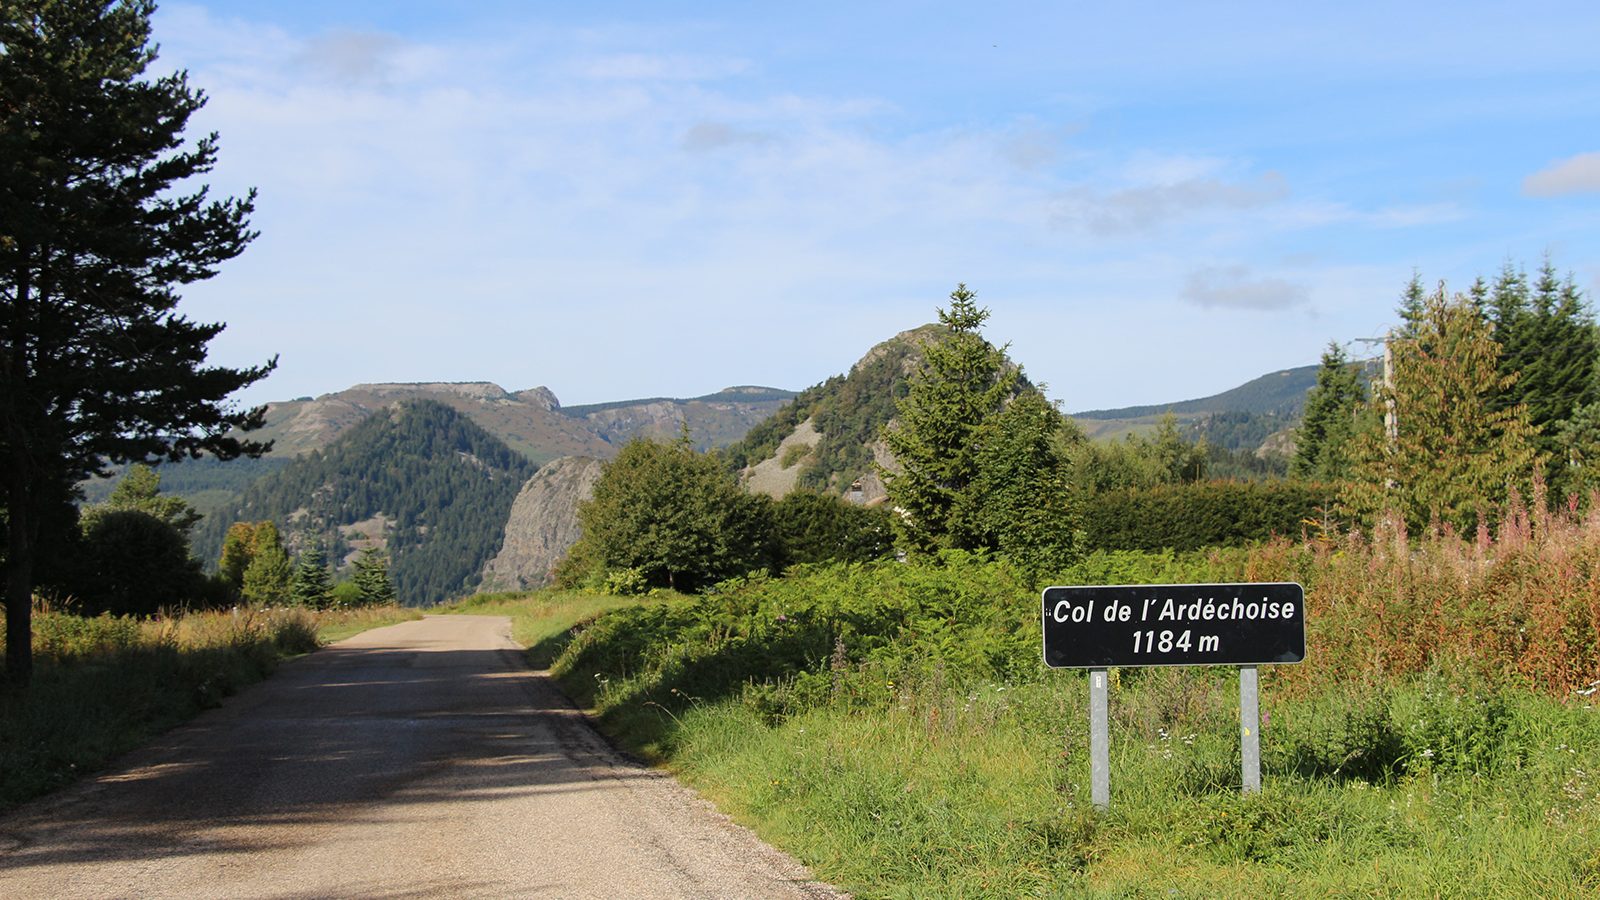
[(705, 136), (1150, 206), (1235, 287), (353, 57), (1574, 175)]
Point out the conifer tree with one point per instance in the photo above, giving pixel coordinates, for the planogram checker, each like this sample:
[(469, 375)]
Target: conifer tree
[(102, 218), (1549, 342), (312, 584), (963, 383), (1021, 501), (140, 489), (371, 578), (1413, 306), (1322, 442)]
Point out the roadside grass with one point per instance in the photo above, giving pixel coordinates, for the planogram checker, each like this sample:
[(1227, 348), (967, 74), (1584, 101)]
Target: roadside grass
[(894, 728), (983, 792), (105, 685)]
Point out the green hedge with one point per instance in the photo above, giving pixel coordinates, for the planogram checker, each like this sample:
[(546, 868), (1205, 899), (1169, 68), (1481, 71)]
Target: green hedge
[(1206, 514)]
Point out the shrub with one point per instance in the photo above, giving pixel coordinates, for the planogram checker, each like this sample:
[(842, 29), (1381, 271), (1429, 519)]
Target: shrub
[(133, 563), (1204, 514)]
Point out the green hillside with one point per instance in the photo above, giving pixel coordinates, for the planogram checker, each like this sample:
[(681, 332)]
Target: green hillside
[(1280, 393), (419, 479), (848, 412)]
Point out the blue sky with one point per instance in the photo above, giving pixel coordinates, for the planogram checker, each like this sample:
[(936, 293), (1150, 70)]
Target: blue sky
[(1156, 201)]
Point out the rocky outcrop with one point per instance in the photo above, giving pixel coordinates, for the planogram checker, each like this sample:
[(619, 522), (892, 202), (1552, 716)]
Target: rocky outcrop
[(543, 524), (778, 475)]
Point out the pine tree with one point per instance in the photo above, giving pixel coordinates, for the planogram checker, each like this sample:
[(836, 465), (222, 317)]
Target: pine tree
[(1413, 306), (266, 579), (1021, 500), (312, 584), (1322, 442), (140, 489), (963, 383), (1548, 340), (371, 578), (1454, 455), (101, 221)]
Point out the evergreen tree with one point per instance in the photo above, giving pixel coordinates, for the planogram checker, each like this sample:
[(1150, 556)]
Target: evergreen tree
[(1021, 501), (1578, 443), (1549, 342), (1181, 462), (1322, 442), (312, 584), (266, 579), (1413, 306), (371, 578), (1453, 455), (96, 236), (963, 383), (140, 489)]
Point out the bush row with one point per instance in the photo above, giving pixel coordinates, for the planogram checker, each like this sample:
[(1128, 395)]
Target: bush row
[(1203, 514)]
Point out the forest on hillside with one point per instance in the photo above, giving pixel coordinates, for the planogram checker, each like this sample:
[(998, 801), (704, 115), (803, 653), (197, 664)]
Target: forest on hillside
[(431, 486)]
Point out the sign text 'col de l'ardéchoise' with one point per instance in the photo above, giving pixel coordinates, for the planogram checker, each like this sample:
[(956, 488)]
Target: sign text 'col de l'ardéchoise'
[(1174, 625)]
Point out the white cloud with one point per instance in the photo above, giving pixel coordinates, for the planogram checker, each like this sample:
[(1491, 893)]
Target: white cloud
[(1574, 175), (1150, 206), (1233, 287)]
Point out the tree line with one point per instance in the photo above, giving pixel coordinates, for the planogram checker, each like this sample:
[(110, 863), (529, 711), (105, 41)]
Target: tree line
[(1490, 394)]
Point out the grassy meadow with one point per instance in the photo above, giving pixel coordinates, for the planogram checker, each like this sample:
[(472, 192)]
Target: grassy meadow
[(894, 727), (107, 684)]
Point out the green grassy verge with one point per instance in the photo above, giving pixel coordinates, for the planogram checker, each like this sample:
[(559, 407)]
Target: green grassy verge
[(893, 727), (103, 686)]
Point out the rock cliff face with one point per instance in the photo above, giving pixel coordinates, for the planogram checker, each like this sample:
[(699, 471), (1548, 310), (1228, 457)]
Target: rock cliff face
[(543, 524)]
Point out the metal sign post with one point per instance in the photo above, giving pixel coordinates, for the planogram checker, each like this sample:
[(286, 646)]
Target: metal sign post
[(1099, 741), (1242, 625), (1249, 729)]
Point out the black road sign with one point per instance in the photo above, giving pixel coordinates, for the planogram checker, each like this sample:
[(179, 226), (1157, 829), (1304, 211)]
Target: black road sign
[(1174, 625)]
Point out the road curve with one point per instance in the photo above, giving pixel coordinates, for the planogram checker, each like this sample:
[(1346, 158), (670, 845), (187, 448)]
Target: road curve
[(419, 760)]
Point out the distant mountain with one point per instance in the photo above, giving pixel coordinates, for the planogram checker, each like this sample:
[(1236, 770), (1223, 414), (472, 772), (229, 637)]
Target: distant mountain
[(532, 422), (1258, 416), (527, 421), (418, 479), (1281, 393), (714, 420)]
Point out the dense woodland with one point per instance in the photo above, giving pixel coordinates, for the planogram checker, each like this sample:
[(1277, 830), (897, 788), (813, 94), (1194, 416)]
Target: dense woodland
[(444, 485)]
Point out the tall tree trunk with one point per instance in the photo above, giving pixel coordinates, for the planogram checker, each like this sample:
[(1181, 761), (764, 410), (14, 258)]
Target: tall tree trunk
[(20, 532)]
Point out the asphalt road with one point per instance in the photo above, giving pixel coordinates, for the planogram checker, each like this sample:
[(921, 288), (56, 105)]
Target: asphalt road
[(418, 760)]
